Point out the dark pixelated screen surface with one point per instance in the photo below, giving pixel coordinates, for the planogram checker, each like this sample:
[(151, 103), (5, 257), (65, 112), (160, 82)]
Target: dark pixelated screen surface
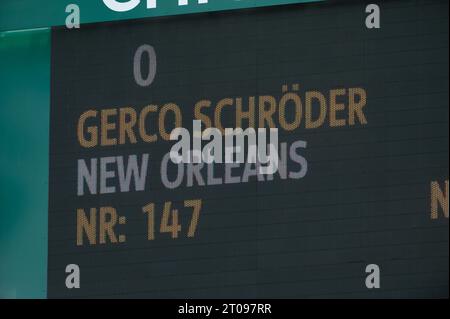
[(364, 197)]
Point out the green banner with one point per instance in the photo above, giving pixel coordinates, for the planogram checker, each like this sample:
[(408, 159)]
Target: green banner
[(25, 14)]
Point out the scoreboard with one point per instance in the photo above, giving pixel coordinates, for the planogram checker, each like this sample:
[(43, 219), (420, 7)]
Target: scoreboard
[(362, 154)]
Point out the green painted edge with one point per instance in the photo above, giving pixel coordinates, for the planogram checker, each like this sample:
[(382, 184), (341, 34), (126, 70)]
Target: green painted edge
[(24, 162)]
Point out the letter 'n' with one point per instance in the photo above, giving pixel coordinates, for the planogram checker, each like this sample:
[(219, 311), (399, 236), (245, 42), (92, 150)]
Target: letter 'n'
[(438, 198)]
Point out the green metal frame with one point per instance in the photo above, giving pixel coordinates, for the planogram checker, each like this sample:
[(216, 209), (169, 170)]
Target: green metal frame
[(24, 140)]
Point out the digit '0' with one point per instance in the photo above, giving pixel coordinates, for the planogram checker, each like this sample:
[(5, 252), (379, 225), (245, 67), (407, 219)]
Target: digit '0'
[(145, 48)]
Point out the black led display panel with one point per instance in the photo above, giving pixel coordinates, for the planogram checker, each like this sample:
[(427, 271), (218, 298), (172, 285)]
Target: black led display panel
[(362, 118)]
